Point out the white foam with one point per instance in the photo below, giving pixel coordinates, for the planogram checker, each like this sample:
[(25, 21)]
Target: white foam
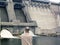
[(6, 34)]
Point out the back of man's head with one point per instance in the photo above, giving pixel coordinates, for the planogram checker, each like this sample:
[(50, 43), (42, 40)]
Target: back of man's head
[(27, 29)]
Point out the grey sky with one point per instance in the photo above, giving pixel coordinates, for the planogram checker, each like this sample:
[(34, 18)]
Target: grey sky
[(57, 1)]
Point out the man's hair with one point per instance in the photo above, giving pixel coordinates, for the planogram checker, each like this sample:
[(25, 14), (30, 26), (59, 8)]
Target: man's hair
[(27, 29)]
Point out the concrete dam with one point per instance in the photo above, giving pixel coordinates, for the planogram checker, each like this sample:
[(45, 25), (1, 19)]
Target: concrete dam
[(43, 17)]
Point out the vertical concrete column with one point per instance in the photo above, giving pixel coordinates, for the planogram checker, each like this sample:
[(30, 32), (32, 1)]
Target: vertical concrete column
[(26, 14), (59, 15), (0, 41), (25, 9), (10, 9), (58, 20), (0, 22), (0, 19)]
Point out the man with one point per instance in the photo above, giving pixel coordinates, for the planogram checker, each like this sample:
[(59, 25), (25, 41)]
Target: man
[(28, 31), (26, 37)]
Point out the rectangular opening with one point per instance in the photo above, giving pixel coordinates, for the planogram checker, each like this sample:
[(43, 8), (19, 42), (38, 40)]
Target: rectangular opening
[(3, 14), (2, 0), (20, 15), (17, 0)]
